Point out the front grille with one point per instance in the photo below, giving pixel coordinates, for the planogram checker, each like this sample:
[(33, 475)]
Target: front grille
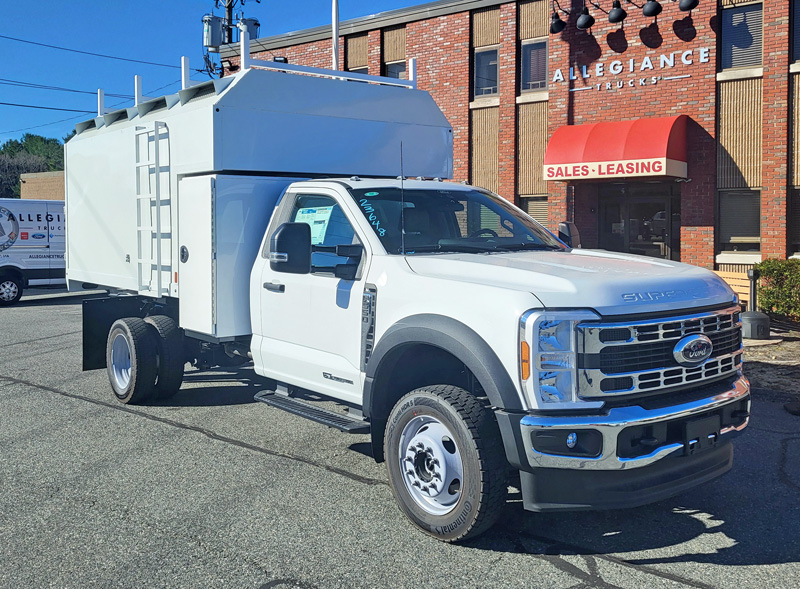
[(621, 359), (611, 363)]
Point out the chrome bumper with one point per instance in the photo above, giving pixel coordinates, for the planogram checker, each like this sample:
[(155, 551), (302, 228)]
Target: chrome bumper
[(615, 421)]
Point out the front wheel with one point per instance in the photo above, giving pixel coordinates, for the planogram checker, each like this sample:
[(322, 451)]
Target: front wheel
[(446, 462), (10, 290)]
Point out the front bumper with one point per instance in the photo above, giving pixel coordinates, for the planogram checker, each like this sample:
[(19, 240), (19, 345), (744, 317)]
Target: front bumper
[(658, 432), (687, 444)]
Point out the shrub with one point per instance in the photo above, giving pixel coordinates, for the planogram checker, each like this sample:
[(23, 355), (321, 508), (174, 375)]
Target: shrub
[(779, 287)]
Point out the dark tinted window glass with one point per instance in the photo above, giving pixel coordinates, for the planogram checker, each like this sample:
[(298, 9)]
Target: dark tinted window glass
[(741, 36), (485, 72), (534, 67)]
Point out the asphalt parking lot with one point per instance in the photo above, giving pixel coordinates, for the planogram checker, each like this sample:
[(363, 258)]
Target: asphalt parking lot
[(212, 489)]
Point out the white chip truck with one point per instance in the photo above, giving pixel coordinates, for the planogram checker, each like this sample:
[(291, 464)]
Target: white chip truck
[(31, 246), (298, 218)]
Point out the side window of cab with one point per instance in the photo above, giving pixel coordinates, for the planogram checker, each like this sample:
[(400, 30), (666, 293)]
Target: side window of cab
[(329, 228)]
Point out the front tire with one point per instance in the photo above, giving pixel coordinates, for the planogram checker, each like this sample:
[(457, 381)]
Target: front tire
[(10, 290), (131, 360), (446, 462)]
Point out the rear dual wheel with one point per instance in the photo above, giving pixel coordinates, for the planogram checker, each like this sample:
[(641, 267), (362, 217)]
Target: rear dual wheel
[(144, 359)]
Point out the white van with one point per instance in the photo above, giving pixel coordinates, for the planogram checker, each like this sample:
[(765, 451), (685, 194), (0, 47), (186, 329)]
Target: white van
[(31, 246)]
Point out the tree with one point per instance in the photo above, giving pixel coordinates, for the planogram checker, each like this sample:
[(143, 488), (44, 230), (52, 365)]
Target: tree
[(33, 153)]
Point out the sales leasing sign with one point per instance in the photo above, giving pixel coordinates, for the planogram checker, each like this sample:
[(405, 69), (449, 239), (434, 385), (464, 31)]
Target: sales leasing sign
[(616, 169)]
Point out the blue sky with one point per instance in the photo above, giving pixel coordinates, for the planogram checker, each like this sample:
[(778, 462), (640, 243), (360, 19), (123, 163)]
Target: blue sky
[(158, 31)]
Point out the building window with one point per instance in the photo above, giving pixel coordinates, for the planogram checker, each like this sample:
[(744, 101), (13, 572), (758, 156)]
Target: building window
[(793, 222), (358, 70), (741, 37), (536, 207), (534, 66), (485, 72), (795, 31), (395, 70), (740, 221)]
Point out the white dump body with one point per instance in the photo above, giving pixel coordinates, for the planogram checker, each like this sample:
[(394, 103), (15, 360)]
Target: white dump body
[(124, 169)]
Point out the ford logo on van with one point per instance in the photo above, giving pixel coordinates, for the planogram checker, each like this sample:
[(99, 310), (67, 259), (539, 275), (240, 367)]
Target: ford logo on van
[(38, 236), (692, 350)]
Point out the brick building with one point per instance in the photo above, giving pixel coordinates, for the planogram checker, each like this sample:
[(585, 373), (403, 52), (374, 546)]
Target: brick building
[(42, 185), (671, 136)]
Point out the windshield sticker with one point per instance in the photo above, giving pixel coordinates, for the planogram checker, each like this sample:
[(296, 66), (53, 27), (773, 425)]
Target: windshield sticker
[(369, 211), (371, 194), (317, 218)]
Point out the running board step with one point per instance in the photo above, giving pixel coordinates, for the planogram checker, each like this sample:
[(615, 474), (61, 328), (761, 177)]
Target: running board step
[(345, 423)]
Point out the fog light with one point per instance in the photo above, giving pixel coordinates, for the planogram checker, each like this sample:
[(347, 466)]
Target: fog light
[(572, 440)]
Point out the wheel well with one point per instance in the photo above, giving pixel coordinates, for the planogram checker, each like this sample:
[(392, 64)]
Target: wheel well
[(12, 272), (410, 367)]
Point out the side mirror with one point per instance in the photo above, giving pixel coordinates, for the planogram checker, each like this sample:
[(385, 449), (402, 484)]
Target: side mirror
[(569, 234), (290, 249)]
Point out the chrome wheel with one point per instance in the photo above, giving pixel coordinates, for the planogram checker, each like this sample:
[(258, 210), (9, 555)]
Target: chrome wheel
[(9, 290), (121, 361), (431, 464)]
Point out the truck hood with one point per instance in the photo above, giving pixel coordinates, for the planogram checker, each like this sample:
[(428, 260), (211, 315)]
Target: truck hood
[(611, 283)]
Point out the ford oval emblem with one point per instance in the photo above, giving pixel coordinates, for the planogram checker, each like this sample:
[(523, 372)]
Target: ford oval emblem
[(692, 350)]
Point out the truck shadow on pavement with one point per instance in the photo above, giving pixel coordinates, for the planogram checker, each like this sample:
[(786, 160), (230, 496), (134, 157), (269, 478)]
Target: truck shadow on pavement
[(210, 388), (740, 519)]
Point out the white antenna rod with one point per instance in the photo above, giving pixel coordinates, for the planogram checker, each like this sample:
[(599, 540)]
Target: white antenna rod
[(335, 39), (186, 81), (137, 90), (244, 47), (101, 103)]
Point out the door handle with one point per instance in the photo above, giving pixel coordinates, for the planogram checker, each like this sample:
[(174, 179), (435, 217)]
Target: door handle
[(275, 286)]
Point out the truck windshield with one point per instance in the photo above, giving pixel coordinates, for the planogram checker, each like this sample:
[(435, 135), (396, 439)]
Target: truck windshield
[(445, 220)]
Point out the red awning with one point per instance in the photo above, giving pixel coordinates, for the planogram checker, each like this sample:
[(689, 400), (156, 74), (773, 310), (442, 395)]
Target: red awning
[(622, 149)]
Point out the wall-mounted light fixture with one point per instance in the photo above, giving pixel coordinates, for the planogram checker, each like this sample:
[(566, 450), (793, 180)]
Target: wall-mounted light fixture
[(616, 15), (585, 20), (651, 9), (556, 24)]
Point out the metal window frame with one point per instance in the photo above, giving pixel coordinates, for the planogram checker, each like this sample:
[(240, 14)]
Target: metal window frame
[(718, 218), (522, 46), (721, 37), (475, 52)]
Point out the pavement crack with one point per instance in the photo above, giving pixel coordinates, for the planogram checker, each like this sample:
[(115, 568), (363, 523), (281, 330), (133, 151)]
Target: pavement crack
[(39, 339), (208, 433)]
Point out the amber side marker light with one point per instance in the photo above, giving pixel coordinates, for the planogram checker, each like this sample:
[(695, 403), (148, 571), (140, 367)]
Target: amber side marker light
[(525, 360)]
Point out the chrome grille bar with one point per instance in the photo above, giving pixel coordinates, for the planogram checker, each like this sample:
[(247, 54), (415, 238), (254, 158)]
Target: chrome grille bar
[(723, 326)]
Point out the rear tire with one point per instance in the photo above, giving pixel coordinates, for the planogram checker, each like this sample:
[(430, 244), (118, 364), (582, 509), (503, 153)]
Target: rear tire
[(446, 462), (131, 360), (169, 348), (10, 290)]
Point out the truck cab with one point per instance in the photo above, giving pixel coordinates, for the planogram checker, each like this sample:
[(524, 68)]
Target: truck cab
[(614, 380)]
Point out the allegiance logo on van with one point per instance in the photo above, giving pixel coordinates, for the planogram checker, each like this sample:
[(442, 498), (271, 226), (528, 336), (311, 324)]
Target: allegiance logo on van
[(9, 229)]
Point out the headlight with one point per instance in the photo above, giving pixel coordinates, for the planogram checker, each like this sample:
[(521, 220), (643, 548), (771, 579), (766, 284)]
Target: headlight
[(548, 358)]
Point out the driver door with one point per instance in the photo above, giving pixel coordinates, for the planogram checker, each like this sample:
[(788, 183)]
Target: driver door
[(311, 323)]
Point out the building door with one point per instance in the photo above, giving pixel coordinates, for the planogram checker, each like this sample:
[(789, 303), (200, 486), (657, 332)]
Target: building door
[(642, 219)]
